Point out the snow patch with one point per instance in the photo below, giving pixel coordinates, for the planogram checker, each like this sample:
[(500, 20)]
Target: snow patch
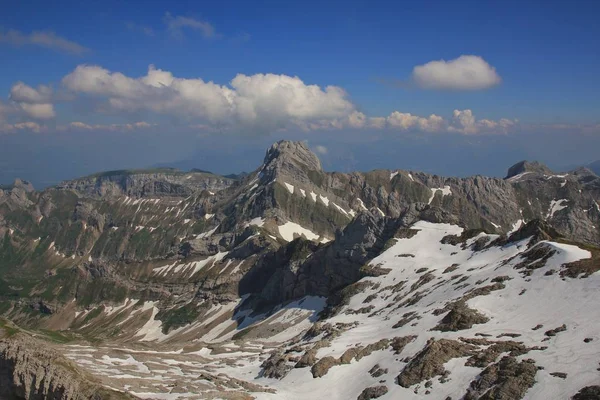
[(289, 187), (445, 192), (518, 176), (516, 226), (325, 200), (258, 221), (555, 206), (361, 204), (288, 230)]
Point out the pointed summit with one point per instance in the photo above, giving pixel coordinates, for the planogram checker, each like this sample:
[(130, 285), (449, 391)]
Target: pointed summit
[(527, 166), (297, 153), (291, 161)]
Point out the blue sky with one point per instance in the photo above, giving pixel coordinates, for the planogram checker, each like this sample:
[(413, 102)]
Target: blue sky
[(532, 75)]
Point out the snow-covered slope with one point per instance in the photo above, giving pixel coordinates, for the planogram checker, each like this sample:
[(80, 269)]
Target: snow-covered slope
[(438, 318)]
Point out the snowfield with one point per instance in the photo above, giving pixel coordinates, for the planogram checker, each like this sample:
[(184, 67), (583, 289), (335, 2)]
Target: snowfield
[(510, 293)]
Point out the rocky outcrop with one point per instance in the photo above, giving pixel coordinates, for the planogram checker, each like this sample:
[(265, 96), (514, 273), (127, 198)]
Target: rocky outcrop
[(373, 392), (588, 393), (460, 317), (429, 362), (508, 379), (30, 369)]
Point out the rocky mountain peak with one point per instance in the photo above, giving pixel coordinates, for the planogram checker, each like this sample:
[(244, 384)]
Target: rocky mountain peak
[(288, 154), (25, 185), (527, 166)]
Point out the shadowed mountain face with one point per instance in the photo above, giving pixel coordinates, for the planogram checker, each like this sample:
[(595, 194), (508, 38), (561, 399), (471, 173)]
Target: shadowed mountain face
[(174, 257)]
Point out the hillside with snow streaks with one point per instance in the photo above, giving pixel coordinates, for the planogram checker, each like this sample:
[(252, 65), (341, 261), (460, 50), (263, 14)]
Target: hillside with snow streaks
[(434, 317)]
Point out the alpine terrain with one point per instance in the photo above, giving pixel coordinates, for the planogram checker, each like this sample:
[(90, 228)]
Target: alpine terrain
[(295, 283)]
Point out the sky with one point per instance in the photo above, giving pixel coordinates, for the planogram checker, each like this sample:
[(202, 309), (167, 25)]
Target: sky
[(452, 88)]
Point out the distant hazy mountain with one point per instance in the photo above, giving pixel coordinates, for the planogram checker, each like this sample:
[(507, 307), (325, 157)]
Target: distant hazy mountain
[(595, 166)]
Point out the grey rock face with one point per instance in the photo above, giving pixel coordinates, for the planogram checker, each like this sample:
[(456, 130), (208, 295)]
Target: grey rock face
[(30, 369), (527, 166), (291, 157), (162, 182)]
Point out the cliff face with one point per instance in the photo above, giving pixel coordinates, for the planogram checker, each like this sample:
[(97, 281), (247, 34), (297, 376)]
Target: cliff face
[(146, 183), (30, 369)]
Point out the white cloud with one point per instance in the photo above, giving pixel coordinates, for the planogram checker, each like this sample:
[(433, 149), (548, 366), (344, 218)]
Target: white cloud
[(38, 111), (35, 103), (466, 72), (321, 149), (175, 25), (249, 104), (407, 121), (267, 101), (21, 92), (22, 126), (464, 122), (49, 40)]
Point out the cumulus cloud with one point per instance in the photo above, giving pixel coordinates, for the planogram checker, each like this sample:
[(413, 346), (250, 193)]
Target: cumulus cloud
[(262, 100), (176, 24), (319, 149), (48, 40), (38, 111), (35, 103), (463, 121), (407, 121), (466, 72)]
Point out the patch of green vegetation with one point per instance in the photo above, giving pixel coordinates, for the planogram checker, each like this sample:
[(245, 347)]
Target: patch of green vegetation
[(8, 254), (57, 336), (93, 314), (8, 328), (100, 289), (199, 226), (5, 306), (141, 244), (129, 172), (68, 237), (20, 218), (177, 317)]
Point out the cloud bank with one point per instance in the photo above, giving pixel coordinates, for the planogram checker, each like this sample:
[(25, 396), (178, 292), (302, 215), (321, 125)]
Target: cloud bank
[(247, 105)]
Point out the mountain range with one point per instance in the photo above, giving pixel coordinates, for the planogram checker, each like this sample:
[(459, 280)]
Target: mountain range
[(292, 282)]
